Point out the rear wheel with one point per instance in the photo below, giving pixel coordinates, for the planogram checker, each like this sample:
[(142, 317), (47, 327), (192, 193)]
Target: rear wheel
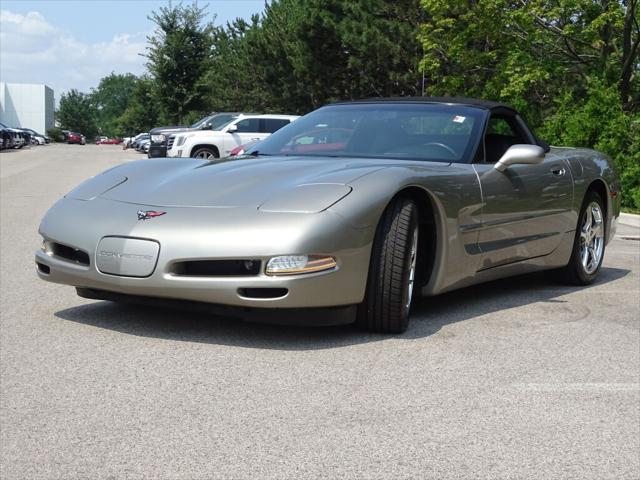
[(589, 243), (392, 271), (205, 153)]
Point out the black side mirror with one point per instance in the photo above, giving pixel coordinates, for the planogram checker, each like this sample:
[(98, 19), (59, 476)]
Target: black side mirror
[(544, 145)]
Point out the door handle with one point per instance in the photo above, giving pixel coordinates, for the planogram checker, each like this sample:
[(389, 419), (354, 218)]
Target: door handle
[(558, 171), (257, 138)]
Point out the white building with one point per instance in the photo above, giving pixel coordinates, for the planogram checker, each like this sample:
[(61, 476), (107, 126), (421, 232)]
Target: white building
[(26, 105)]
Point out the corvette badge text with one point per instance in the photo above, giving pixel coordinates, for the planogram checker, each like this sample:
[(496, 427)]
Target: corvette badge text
[(117, 255)]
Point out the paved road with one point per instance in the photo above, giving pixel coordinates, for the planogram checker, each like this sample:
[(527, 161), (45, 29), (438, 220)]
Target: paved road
[(514, 379)]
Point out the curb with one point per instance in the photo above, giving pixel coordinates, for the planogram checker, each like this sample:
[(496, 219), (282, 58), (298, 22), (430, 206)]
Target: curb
[(629, 219)]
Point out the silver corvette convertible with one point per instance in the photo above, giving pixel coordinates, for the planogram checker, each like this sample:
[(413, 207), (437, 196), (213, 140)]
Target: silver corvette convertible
[(345, 215)]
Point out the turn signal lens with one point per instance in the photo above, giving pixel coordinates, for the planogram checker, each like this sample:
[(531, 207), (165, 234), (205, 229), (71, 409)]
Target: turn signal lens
[(299, 264), (46, 247)]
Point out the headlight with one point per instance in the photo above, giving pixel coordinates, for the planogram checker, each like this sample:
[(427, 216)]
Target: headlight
[(157, 138), (298, 264), (180, 140)]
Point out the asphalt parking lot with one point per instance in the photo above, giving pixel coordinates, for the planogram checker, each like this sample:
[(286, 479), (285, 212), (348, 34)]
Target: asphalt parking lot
[(519, 378)]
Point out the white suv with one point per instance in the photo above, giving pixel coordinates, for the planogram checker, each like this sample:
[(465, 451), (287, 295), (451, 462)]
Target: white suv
[(243, 129)]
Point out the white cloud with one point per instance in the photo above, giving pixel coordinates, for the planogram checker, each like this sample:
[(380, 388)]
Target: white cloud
[(34, 51)]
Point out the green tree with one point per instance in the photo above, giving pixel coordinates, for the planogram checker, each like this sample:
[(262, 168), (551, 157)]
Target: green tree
[(142, 112), (77, 113), (301, 54), (571, 66), (235, 80), (111, 98), (178, 54)]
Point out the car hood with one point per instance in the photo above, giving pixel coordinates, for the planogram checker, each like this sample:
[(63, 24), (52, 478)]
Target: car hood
[(171, 129), (232, 183)]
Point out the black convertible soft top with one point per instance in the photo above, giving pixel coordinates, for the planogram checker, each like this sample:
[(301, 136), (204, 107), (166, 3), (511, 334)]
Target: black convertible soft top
[(473, 102)]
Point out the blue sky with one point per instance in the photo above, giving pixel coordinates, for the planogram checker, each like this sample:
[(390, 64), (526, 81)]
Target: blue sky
[(73, 43)]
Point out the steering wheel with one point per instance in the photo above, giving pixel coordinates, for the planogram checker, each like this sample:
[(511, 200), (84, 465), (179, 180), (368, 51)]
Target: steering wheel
[(443, 146)]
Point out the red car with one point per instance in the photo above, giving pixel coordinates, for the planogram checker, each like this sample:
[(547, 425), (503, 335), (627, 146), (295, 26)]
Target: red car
[(109, 141), (73, 137), (240, 149)]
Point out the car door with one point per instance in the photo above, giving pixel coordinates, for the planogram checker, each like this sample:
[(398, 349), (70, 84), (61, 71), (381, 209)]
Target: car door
[(247, 130), (526, 208)]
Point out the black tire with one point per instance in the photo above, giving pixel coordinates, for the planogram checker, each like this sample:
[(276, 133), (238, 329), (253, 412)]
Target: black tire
[(206, 153), (575, 272), (385, 308)]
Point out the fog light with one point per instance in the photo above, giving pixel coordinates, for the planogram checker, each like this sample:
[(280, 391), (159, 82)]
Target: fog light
[(298, 264)]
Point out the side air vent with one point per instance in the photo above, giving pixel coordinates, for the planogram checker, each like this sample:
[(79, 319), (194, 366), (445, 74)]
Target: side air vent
[(69, 253), (217, 268)]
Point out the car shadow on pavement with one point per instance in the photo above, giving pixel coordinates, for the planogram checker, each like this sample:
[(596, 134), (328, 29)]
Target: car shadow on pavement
[(428, 316)]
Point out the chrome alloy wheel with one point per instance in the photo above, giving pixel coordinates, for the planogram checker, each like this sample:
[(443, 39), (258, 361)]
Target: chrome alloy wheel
[(591, 238), (412, 267), (204, 155)]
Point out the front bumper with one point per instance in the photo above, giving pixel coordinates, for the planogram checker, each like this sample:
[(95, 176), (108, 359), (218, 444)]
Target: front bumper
[(186, 234), (323, 316), (174, 152), (157, 151)]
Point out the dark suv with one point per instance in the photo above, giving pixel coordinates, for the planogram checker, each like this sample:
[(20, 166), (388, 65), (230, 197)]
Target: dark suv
[(162, 137)]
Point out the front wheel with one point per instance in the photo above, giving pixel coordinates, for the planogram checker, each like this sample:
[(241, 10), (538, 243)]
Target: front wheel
[(589, 243), (392, 270)]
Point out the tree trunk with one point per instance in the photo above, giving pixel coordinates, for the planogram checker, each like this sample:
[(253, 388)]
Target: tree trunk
[(629, 51)]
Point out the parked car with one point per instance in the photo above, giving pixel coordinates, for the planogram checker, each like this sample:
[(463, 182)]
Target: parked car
[(162, 137), (424, 196), (144, 146), (108, 141), (26, 136), (37, 138), (18, 138), (129, 141), (240, 150), (10, 137), (140, 140), (75, 137), (219, 143)]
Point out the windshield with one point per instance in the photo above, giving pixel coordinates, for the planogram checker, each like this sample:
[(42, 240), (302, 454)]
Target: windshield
[(200, 122), (220, 121), (216, 122), (407, 131)]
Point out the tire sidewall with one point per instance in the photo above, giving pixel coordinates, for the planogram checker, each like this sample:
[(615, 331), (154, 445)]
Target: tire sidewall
[(368, 316)]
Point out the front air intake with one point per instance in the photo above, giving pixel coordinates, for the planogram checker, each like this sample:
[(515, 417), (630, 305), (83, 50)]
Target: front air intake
[(263, 293), (69, 253), (216, 268), (42, 268)]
